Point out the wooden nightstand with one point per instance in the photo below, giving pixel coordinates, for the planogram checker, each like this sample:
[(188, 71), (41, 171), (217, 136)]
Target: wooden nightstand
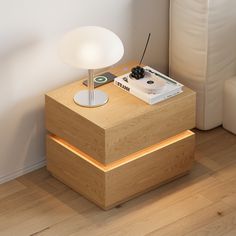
[(112, 153)]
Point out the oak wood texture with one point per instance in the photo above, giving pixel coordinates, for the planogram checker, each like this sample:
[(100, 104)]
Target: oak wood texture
[(115, 130), (113, 184), (200, 203)]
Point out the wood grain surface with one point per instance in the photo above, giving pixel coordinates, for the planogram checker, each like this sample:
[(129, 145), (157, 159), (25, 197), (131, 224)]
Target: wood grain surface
[(111, 185), (116, 129)]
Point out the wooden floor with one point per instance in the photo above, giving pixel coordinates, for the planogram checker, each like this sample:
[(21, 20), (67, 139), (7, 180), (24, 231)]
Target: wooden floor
[(202, 203)]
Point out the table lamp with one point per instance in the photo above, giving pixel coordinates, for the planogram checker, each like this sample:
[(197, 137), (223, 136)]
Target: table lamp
[(91, 47)]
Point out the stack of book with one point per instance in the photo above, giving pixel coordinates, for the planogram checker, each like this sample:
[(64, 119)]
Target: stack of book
[(171, 87)]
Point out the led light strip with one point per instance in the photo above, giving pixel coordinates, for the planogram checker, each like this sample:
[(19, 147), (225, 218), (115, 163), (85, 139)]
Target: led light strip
[(126, 159)]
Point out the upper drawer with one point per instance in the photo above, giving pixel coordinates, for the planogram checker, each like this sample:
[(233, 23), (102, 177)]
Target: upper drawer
[(123, 126)]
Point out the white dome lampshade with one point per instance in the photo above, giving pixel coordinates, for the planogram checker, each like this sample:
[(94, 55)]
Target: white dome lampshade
[(91, 47)]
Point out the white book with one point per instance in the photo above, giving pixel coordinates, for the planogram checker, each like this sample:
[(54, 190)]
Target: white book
[(170, 89)]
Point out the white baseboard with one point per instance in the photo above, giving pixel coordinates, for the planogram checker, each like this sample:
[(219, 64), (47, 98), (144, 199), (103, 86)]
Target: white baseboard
[(22, 171)]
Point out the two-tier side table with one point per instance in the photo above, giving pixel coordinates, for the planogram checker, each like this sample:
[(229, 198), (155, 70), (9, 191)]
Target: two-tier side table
[(115, 152)]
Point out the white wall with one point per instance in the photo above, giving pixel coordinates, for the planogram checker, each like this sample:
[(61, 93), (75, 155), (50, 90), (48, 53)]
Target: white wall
[(29, 65)]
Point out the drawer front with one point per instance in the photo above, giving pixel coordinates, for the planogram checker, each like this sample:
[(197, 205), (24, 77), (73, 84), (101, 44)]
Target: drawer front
[(75, 129), (112, 184), (174, 116), (108, 144), (66, 165), (152, 170)]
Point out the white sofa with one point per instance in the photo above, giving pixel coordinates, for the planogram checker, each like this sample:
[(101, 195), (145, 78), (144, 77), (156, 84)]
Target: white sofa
[(203, 52), (229, 105)]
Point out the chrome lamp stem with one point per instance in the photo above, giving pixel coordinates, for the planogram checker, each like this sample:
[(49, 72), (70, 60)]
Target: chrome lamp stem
[(91, 97), (90, 87)]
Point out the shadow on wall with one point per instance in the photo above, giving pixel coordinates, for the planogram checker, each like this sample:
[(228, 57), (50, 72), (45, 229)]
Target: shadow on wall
[(145, 15), (16, 43), (20, 121), (7, 64), (23, 129), (28, 68)]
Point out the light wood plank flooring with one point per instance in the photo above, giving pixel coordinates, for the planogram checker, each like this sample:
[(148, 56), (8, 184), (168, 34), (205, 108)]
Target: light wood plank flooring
[(202, 203)]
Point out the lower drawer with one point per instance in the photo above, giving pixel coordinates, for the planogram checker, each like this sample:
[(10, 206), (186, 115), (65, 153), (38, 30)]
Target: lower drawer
[(112, 184)]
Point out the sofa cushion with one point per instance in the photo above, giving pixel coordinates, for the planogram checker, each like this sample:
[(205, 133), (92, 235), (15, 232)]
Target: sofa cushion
[(203, 52)]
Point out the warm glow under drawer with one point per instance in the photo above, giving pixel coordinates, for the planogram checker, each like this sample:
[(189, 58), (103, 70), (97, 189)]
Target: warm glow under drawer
[(126, 159)]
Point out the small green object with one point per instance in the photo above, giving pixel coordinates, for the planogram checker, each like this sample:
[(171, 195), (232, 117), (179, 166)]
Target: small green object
[(100, 79)]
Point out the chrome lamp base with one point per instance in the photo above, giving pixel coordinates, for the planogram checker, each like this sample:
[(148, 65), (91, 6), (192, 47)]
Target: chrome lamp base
[(83, 98)]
